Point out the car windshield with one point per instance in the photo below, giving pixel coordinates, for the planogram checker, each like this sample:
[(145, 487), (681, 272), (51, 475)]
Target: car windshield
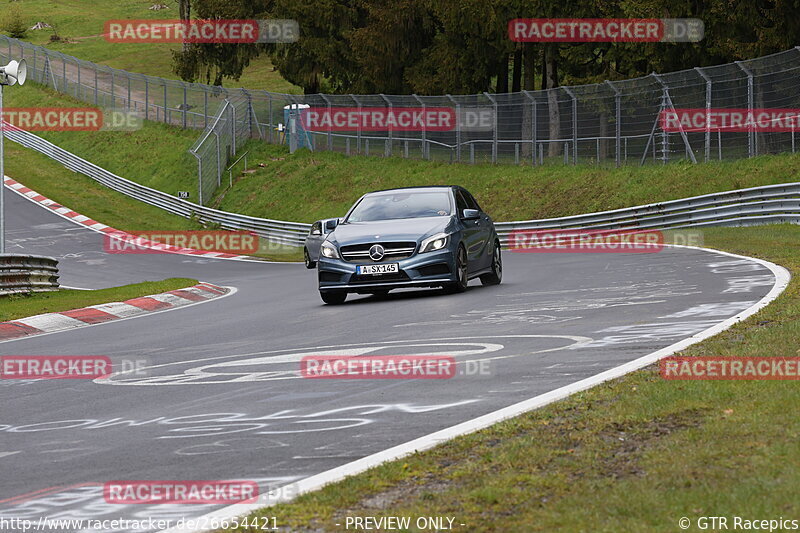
[(392, 206)]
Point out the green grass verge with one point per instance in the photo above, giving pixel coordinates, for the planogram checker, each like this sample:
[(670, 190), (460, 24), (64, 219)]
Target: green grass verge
[(634, 454), (16, 306), (155, 156), (307, 186), (80, 24)]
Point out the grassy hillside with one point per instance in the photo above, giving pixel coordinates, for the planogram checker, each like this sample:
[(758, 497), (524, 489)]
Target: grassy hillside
[(80, 24)]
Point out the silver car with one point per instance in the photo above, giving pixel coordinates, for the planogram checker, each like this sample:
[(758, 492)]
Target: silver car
[(316, 235)]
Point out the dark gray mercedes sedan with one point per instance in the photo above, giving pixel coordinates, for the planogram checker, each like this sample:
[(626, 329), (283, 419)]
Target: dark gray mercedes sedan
[(412, 237)]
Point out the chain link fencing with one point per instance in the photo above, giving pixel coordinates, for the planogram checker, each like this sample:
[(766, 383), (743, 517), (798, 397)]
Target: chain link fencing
[(614, 123)]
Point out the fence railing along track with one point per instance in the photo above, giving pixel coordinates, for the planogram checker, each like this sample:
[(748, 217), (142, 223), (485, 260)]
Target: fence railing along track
[(742, 207)]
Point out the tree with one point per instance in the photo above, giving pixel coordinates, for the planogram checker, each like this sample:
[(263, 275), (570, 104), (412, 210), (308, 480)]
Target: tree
[(212, 62), (13, 23)]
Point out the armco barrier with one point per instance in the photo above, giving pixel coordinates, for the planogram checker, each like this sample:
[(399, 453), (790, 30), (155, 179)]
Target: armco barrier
[(27, 273), (291, 233), (743, 207)]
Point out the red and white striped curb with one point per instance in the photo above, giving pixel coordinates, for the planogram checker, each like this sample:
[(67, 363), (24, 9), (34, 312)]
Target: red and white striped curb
[(98, 314), (68, 213)]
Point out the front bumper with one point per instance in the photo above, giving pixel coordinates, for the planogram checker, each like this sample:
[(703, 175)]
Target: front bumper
[(430, 269)]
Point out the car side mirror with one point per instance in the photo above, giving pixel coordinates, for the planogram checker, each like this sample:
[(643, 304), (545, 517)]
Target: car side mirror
[(330, 225), (471, 214), (316, 232)]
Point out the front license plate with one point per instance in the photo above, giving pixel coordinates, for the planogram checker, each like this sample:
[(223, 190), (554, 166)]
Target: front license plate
[(387, 268)]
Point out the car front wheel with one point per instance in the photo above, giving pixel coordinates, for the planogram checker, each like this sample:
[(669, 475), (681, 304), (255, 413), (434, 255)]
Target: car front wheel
[(461, 272), (496, 275)]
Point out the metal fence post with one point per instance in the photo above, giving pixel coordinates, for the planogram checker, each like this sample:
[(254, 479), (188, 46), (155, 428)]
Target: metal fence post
[(219, 160), (112, 88), (78, 86), (458, 127), (533, 125), (494, 134), (95, 83), (233, 129), (424, 133), (330, 134), (128, 106), (269, 115), (574, 124), (387, 150), (164, 82), (146, 98), (708, 111), (618, 120), (185, 104), (358, 131), (752, 146)]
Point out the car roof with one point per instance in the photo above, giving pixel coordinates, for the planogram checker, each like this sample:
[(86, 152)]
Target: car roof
[(417, 188)]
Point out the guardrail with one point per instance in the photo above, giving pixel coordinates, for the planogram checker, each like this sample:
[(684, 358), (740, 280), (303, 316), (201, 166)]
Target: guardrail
[(742, 207), (27, 273), (291, 233)]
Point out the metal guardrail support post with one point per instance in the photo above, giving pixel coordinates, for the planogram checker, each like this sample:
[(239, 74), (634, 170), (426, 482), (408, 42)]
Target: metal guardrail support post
[(752, 142), (574, 124), (494, 133), (708, 111), (618, 121)]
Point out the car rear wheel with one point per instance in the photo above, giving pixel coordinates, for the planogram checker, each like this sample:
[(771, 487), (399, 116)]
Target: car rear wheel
[(461, 272), (496, 275), (307, 259), (333, 297)]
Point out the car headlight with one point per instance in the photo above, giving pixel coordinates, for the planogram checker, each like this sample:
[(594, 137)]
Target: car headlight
[(434, 242), (328, 250)]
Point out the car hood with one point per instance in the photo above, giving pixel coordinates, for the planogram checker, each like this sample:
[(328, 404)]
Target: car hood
[(407, 229)]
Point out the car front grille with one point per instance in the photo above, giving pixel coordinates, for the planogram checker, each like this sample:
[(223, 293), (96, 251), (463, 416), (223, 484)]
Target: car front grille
[(393, 251), (394, 277)]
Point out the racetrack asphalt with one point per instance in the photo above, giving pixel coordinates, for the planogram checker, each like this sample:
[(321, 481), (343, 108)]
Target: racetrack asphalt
[(220, 397)]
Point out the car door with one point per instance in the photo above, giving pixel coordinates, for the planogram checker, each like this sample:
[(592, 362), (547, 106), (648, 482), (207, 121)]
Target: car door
[(472, 234), (486, 234)]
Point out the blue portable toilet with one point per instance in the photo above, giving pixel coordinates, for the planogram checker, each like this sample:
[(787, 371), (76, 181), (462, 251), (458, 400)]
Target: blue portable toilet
[(291, 114)]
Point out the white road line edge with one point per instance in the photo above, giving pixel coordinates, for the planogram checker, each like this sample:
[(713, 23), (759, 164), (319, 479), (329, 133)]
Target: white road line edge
[(317, 481)]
